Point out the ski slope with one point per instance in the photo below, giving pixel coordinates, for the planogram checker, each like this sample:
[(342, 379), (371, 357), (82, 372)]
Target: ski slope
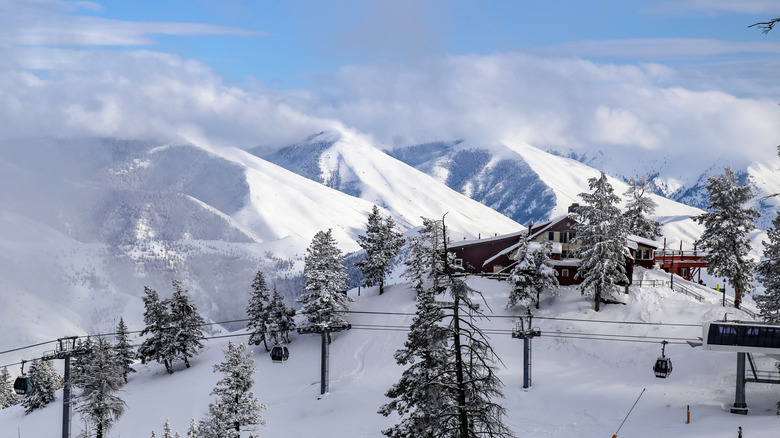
[(581, 387)]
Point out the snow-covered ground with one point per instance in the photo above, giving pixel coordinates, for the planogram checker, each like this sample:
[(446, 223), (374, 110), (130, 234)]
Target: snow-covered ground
[(581, 387)]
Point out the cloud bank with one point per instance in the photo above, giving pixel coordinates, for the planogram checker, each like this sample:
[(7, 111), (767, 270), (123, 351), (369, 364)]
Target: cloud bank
[(64, 82)]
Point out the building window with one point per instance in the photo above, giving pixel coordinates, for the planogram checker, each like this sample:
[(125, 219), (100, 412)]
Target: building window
[(551, 235), (646, 254), (564, 254), (458, 262), (564, 237), (564, 272)]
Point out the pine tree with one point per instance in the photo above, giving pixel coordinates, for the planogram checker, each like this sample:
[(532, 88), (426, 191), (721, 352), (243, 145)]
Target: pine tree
[(167, 432), (602, 234), (325, 299), (8, 397), (450, 392), (101, 380), (81, 364), (382, 242), (545, 276), (236, 408), (282, 319), (124, 349), (769, 275), (420, 395), (258, 312), (426, 258), (473, 411), (44, 380), (157, 319), (522, 276), (192, 431), (638, 208), (186, 324), (727, 227)]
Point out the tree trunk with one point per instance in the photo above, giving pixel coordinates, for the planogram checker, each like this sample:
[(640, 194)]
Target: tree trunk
[(463, 418), (737, 296), (597, 298), (381, 285)]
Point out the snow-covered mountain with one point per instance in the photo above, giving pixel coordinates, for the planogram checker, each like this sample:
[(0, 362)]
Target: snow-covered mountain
[(351, 164), (683, 178), (86, 224)]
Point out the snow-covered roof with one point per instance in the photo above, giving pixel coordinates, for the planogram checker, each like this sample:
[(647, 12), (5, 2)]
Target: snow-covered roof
[(487, 239), (643, 241), (546, 226), (532, 247)]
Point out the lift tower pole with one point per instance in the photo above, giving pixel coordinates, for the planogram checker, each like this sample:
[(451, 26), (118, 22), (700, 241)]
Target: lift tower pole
[(524, 331), (325, 329), (66, 348)]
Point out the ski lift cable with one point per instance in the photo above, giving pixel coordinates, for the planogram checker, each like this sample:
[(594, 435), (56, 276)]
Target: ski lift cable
[(551, 318)]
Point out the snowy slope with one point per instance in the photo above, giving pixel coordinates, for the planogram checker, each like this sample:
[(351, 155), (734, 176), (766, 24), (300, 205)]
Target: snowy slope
[(581, 387), (350, 163)]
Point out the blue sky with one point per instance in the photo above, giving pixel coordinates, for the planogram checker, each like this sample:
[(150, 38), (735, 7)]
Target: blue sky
[(662, 77), (290, 44)]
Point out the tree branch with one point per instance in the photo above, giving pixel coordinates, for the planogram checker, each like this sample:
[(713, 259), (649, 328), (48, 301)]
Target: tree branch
[(766, 26)]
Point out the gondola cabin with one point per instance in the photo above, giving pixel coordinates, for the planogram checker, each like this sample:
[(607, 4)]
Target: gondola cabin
[(280, 354), (742, 336), (23, 385), (662, 367)]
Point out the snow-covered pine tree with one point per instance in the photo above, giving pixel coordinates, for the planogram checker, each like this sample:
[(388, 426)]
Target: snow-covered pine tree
[(258, 312), (727, 227), (186, 324), (768, 271), (100, 380), (167, 432), (638, 208), (8, 397), (602, 234), (157, 318), (522, 276), (236, 408), (546, 277), (324, 299), (426, 256), (382, 242), (80, 365), (44, 380), (472, 410), (453, 394), (282, 319), (420, 395), (125, 353), (192, 431)]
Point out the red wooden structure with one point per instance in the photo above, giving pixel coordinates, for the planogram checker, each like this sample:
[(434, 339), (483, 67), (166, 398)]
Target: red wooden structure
[(685, 263)]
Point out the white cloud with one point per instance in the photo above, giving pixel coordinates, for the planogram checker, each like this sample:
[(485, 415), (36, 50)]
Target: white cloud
[(553, 102), (49, 24), (660, 48)]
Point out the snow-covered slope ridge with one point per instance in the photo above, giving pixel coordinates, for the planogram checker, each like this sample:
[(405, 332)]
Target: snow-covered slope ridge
[(527, 183), (588, 368), (349, 163)]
